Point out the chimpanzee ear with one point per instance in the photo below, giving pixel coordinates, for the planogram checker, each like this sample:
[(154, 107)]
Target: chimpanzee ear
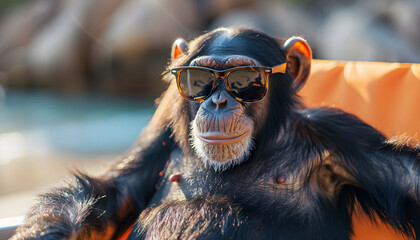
[(299, 57), (179, 48)]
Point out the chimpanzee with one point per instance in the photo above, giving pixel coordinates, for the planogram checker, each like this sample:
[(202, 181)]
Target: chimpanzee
[(231, 153)]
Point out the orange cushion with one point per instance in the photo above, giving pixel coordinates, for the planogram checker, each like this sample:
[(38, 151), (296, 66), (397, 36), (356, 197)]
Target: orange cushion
[(385, 95)]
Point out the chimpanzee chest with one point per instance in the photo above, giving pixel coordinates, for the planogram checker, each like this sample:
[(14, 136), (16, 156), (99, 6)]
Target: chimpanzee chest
[(194, 200), (186, 179)]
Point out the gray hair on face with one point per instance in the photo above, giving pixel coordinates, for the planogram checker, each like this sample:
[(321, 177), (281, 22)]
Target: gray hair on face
[(220, 156)]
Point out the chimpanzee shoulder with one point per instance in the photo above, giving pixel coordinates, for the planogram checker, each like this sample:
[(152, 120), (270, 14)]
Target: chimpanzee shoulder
[(337, 130)]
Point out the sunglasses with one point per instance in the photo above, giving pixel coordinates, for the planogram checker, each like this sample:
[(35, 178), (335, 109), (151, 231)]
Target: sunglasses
[(245, 84)]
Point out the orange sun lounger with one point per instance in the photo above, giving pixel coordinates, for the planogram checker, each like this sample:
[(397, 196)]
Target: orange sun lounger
[(385, 95)]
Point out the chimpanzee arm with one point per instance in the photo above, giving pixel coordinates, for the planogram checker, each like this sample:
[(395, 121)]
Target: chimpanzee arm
[(361, 164), (79, 209), (103, 207), (98, 208)]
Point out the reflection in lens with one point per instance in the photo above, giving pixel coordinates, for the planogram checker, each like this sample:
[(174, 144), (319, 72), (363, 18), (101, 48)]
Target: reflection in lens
[(195, 83), (247, 84)]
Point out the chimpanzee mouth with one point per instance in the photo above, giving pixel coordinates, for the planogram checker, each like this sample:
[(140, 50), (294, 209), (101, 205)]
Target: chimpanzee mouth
[(222, 138)]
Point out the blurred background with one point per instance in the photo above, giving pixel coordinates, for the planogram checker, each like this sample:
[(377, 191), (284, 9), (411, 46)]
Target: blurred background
[(78, 78)]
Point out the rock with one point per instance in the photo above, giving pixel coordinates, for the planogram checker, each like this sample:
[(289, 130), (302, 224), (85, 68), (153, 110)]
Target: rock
[(121, 46), (136, 44), (16, 33), (354, 34), (19, 26), (405, 16)]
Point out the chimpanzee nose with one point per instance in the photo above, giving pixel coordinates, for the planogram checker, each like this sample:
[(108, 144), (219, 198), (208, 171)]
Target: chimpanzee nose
[(220, 101)]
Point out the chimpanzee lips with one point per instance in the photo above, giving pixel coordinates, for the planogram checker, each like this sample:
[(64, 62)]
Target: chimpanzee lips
[(222, 138)]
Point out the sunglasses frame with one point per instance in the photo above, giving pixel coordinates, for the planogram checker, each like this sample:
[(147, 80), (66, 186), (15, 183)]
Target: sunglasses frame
[(224, 74)]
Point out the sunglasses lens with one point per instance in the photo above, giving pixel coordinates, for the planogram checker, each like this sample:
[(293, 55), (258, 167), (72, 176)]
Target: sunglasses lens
[(247, 84), (195, 84)]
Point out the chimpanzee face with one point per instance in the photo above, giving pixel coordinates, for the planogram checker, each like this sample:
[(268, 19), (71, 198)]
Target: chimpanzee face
[(227, 83)]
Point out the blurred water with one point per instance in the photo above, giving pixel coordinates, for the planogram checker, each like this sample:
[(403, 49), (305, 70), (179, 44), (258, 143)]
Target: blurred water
[(42, 122)]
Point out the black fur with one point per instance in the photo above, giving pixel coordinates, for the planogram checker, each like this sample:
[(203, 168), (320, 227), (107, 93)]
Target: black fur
[(331, 159)]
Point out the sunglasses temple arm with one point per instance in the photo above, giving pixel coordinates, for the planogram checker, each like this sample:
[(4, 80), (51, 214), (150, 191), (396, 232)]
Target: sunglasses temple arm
[(279, 68)]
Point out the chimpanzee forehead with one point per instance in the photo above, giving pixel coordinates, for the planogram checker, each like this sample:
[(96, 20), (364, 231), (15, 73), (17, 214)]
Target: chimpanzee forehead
[(226, 44), (258, 47)]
